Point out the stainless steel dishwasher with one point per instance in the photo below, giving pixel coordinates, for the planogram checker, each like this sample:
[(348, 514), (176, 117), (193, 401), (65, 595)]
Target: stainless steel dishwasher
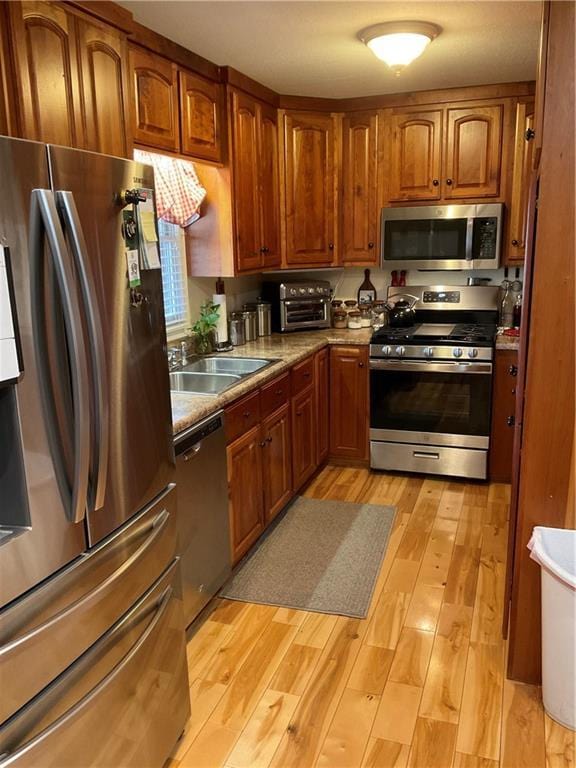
[(203, 524)]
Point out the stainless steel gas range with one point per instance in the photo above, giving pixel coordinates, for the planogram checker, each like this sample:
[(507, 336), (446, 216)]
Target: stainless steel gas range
[(431, 384)]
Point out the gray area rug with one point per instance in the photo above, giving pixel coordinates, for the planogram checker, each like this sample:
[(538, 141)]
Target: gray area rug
[(321, 556)]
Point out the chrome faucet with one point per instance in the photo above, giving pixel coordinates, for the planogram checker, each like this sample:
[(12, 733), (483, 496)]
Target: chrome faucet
[(183, 352)]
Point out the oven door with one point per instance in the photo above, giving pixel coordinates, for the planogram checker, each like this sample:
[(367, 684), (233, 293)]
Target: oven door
[(304, 313), (435, 403)]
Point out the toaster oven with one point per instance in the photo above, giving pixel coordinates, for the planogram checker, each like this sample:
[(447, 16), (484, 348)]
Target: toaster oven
[(299, 306)]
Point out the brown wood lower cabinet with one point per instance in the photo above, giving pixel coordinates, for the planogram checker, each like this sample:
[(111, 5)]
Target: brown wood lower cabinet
[(349, 402), (322, 383), (277, 461), (303, 437), (246, 501), (503, 408)]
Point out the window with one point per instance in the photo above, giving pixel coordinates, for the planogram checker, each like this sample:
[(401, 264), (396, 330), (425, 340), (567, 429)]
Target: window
[(174, 277)]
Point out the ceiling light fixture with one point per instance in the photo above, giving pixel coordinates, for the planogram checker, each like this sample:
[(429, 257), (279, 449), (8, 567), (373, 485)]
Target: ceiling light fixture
[(398, 43)]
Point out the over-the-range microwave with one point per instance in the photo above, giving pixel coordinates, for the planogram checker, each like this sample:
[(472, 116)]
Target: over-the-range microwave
[(442, 236)]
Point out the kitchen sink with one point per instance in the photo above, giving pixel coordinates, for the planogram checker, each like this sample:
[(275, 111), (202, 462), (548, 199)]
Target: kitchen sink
[(241, 366), (198, 383)]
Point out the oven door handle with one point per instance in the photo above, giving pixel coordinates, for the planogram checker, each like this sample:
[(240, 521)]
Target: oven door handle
[(323, 300), (429, 367)]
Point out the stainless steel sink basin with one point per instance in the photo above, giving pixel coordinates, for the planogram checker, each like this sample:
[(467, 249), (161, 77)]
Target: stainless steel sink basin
[(197, 383), (242, 366)]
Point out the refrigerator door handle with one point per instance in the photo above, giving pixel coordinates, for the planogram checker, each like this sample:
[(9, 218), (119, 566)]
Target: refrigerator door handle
[(73, 228), (44, 223)]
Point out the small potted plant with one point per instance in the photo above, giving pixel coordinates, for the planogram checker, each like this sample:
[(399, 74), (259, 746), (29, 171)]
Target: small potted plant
[(203, 329)]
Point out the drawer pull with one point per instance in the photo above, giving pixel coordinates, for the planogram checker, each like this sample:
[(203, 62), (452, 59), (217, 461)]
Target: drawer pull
[(307, 374), (246, 414), (513, 370), (279, 392), (425, 455), (510, 420)]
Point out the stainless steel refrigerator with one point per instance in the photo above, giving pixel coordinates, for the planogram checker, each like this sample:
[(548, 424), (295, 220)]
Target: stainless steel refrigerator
[(92, 644)]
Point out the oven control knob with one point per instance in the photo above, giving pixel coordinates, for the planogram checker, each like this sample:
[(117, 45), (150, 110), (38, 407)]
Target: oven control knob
[(386, 351), (292, 291), (428, 351), (472, 353), (457, 352), (302, 291), (400, 351)]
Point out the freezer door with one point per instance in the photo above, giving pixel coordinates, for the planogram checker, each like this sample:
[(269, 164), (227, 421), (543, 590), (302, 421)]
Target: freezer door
[(49, 628), (132, 458), (124, 703), (43, 442)]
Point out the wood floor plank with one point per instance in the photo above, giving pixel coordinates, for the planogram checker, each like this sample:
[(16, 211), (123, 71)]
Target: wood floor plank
[(295, 669), (305, 734), (472, 761), (204, 696), (433, 745), (388, 619), (442, 536), (481, 712), (210, 748), (289, 616), (451, 501), (442, 694), (434, 569), (424, 608), (413, 545), (245, 633), (523, 740), (402, 576), (386, 754), (494, 541), (470, 527), (411, 657), (204, 645), (251, 680), (462, 576), (489, 602), (397, 713), (264, 730), (315, 630), (348, 735), (227, 611), (423, 516), (560, 745), (370, 671)]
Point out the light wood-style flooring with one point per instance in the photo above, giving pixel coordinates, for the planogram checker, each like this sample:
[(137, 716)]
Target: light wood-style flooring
[(420, 682)]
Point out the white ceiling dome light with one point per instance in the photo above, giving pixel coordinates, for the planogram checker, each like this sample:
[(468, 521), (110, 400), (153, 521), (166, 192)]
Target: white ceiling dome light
[(398, 43)]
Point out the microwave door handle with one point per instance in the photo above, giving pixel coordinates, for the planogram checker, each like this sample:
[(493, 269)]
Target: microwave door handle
[(469, 256), (73, 228), (44, 223)]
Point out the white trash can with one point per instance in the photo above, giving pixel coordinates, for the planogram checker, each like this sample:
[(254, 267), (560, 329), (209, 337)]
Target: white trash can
[(554, 549)]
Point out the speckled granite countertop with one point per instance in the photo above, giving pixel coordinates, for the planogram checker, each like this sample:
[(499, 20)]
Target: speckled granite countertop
[(507, 342), (287, 348)]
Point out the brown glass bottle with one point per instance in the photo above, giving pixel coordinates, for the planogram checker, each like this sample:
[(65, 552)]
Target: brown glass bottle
[(367, 291)]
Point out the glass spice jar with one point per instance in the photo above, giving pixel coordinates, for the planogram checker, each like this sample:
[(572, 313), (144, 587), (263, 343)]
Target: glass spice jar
[(340, 318), (354, 320), (366, 316)]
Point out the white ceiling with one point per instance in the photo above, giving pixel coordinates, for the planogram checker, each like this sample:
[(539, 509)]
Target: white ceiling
[(311, 49)]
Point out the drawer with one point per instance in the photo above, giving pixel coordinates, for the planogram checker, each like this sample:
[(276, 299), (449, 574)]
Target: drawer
[(46, 631), (242, 416), (274, 395), (429, 460), (124, 702), (302, 375)]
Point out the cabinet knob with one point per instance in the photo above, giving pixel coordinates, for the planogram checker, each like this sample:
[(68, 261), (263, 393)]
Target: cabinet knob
[(298, 413), (449, 182), (513, 370), (361, 365), (279, 392), (262, 444), (246, 414), (510, 420), (268, 439), (515, 243), (435, 182), (529, 135), (307, 374), (370, 245), (331, 246), (264, 249)]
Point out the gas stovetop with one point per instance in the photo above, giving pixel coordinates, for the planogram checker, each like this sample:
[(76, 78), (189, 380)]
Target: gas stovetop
[(466, 334)]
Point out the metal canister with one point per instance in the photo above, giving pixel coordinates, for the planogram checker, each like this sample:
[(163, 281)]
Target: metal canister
[(263, 311), (250, 324), (237, 329)]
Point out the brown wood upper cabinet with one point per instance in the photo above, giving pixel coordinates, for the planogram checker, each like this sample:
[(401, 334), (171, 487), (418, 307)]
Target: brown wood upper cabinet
[(473, 150), (360, 205), (414, 138), (349, 402), (451, 153), (521, 175), (255, 183), (200, 116), (155, 100), (311, 175)]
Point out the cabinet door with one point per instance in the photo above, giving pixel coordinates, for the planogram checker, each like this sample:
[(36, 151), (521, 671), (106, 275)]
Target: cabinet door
[(104, 66), (7, 116), (245, 180), (349, 402), (322, 362), (269, 187), (303, 437), (414, 151), (310, 169), (245, 491), (521, 174), (46, 63), (503, 409), (277, 462), (473, 151), (200, 116), (155, 100), (360, 214)]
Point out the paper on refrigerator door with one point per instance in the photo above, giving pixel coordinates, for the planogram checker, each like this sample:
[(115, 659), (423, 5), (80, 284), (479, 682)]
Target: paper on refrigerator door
[(149, 251)]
